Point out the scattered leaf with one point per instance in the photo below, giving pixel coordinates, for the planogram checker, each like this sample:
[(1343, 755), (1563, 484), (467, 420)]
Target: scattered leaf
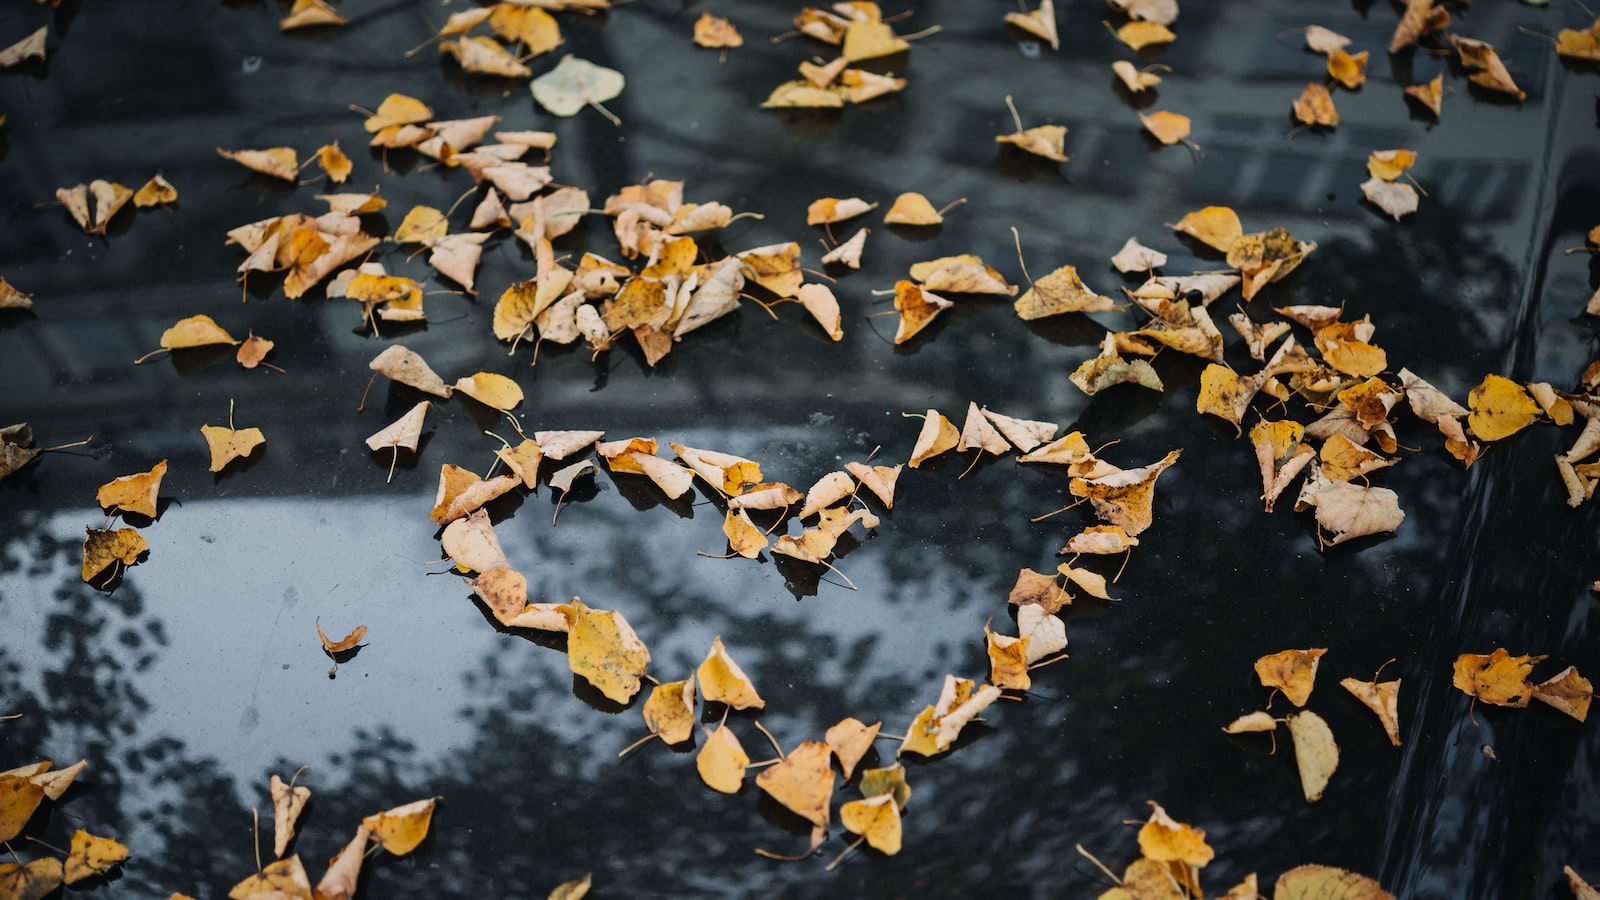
[(104, 547), (802, 781), (1568, 692), (1291, 671), (229, 444), (1499, 678), (133, 493), (669, 711), (1382, 697), (1314, 107), (401, 829), (721, 680), (1314, 752), (1327, 883), (876, 818), (288, 801), (605, 651), (721, 761), (575, 83), (348, 642), (1500, 408), (716, 32)]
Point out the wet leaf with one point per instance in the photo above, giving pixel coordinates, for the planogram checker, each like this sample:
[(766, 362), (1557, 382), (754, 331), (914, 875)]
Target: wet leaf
[(494, 391), (802, 782), (1141, 34), (339, 882), (1500, 408), (1485, 66), (1315, 107), (1498, 678), (401, 829), (1061, 291), (1568, 692), (1346, 511), (669, 710), (30, 47), (1292, 671), (20, 796), (1124, 497), (721, 761), (1041, 23), (722, 681), (716, 32), (33, 880), (605, 651), (405, 366), (876, 818), (1164, 839)]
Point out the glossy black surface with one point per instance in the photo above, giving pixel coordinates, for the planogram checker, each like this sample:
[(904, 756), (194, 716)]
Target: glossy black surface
[(200, 674)]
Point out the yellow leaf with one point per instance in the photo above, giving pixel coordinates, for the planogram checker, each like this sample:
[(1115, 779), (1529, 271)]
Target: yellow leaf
[(572, 890), (1327, 883), (1008, 661), (282, 880), (912, 208), (937, 436), (870, 40), (103, 547), (1348, 69), (195, 331), (721, 761), (91, 856), (1250, 723), (1061, 291), (133, 493), (401, 829), (35, 880), (1499, 678), (155, 192), (605, 651), (288, 800), (1314, 106), (496, 391), (721, 680), (1215, 226), (916, 307), (1567, 691), (889, 780), (1390, 164), (1140, 35), (1314, 752), (19, 797), (339, 882), (1168, 127), (669, 710), (1164, 839), (744, 538), (1500, 408), (802, 782), (279, 162), (716, 32), (938, 726), (1125, 497), (1382, 697), (228, 444), (877, 819), (850, 740)]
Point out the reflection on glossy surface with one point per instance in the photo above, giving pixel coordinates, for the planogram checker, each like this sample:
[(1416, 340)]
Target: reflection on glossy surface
[(201, 673)]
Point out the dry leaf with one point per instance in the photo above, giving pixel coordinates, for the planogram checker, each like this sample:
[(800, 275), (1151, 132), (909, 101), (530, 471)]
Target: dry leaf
[(716, 32), (605, 651), (1398, 200), (775, 267), (912, 208), (1580, 44), (102, 548), (20, 796), (802, 781), (1323, 40), (964, 274), (494, 391), (876, 818), (1487, 70), (1420, 18), (880, 480), (1291, 671), (1348, 69), (30, 47), (721, 680), (1161, 12), (1315, 752), (890, 780), (1500, 408), (32, 881), (348, 642), (11, 298), (156, 192), (832, 209), (802, 94), (1164, 839), (1382, 697), (1136, 81), (847, 253), (1124, 497), (1048, 141), (484, 56), (721, 761), (1327, 883), (1109, 369), (535, 28), (1101, 540), (1499, 678), (1142, 34), (1008, 661), (1567, 691), (575, 83), (1168, 127), (1430, 94), (850, 740), (228, 444), (937, 436), (871, 40), (1061, 291), (288, 801), (308, 13), (1040, 23), (133, 493), (279, 162), (917, 308), (938, 726), (282, 880), (401, 829), (1314, 107), (977, 433), (562, 444), (405, 366), (1252, 723), (339, 882), (403, 432), (823, 306), (461, 491), (1347, 511), (1136, 257), (1046, 634), (1026, 434), (669, 711)]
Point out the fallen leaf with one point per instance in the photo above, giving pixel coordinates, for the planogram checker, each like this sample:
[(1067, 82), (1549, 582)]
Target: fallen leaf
[(1135, 80), (1499, 678), (1315, 752), (1398, 200), (716, 32), (1125, 497), (195, 331), (877, 819), (402, 432), (308, 13), (1142, 34), (1038, 589), (1110, 369), (1348, 69), (253, 351), (833, 209), (669, 711), (279, 162), (288, 801), (285, 879), (978, 433), (1581, 889), (407, 367), (397, 109), (20, 796), (1327, 883), (1046, 634), (823, 306), (1382, 697), (802, 781), (575, 83), (1252, 723), (11, 298), (850, 740), (1048, 141), (721, 761), (133, 493), (1500, 408), (30, 47), (847, 253), (472, 544), (1168, 127), (802, 94), (1101, 540), (339, 882), (1314, 107), (722, 681), (535, 28), (456, 256), (229, 444), (880, 480), (1420, 18), (1162, 12), (1568, 692), (1026, 434), (1323, 40), (917, 308), (1217, 227), (484, 56), (1061, 291), (104, 547), (1486, 69), (1008, 661), (1429, 94), (1579, 44), (334, 648), (401, 829), (604, 650), (462, 491), (32, 881), (912, 208), (871, 40), (1136, 257), (937, 436), (1291, 671), (494, 391), (938, 726), (1164, 839), (1041, 23), (775, 267)]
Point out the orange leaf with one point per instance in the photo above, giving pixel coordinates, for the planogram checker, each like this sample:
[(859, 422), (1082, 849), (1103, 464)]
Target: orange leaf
[(401, 829), (1499, 678)]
